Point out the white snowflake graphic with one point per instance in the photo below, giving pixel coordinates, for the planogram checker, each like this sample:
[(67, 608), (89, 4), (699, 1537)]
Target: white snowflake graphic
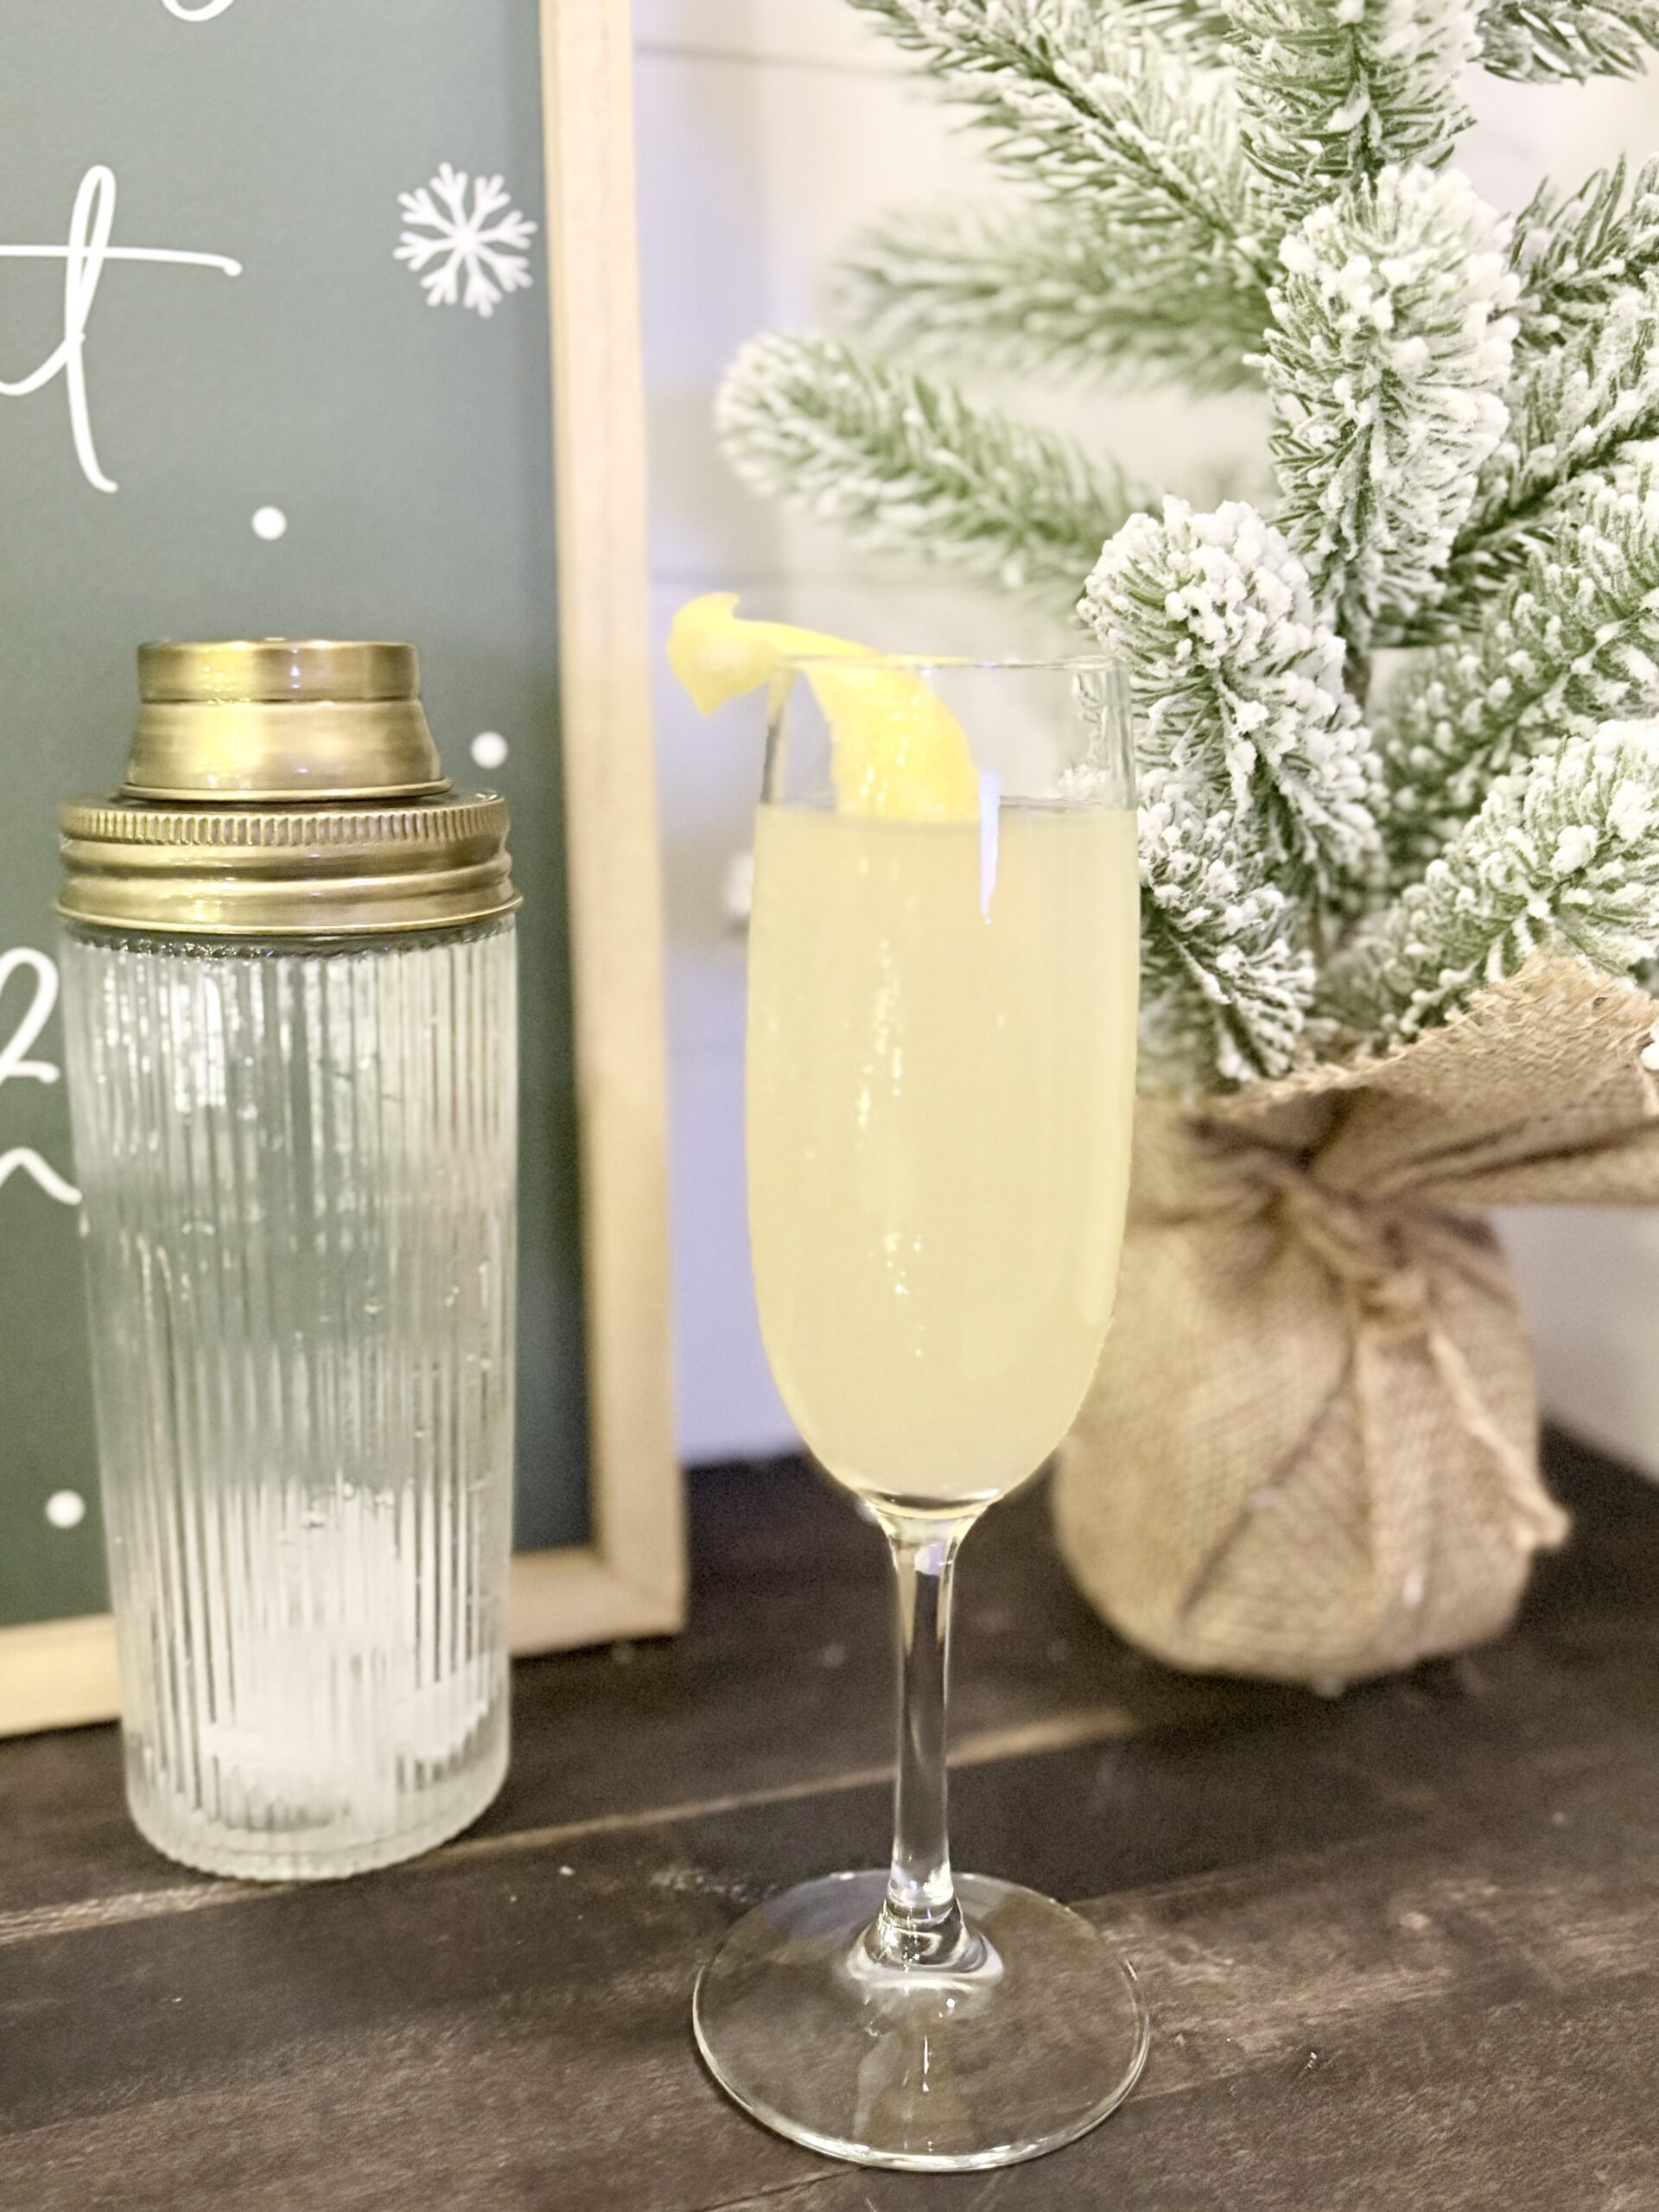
[(482, 243)]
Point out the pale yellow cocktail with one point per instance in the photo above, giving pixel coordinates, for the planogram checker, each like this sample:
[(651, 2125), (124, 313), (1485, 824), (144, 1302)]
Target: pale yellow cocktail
[(941, 1070)]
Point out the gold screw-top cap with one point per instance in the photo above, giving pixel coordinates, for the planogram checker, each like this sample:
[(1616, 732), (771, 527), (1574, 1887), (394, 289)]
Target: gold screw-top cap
[(281, 787), (281, 719)]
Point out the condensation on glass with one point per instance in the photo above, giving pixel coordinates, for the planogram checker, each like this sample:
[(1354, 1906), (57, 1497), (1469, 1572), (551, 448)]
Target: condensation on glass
[(297, 1155)]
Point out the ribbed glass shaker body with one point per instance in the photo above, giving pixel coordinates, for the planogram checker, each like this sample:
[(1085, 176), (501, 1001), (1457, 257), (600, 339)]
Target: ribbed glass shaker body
[(298, 1168), (289, 992)]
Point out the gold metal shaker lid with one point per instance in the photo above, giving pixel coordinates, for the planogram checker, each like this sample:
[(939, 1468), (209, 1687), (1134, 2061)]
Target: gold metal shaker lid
[(282, 787)]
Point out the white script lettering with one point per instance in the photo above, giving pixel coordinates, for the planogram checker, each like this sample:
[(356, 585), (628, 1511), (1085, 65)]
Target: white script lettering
[(15, 1066), (84, 260)]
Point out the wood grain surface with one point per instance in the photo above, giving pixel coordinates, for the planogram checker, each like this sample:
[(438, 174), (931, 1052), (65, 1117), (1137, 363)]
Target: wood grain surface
[(1400, 1946)]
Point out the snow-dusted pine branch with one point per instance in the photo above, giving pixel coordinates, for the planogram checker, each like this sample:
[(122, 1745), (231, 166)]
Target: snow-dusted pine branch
[(1238, 685), (1334, 90), (1226, 978), (1465, 428), (1389, 346), (1575, 642), (1202, 25), (1575, 252), (1573, 411), (905, 465), (1563, 857), (1025, 288), (1075, 101), (1546, 40)]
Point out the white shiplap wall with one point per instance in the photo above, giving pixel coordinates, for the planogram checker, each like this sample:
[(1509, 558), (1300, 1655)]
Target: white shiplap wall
[(1590, 1276), (768, 130), (760, 123)]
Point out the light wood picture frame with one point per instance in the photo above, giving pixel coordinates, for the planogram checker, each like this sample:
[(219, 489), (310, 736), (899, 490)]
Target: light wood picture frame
[(629, 1579)]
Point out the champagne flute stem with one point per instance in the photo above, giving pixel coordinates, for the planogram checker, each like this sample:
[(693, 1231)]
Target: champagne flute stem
[(921, 1923)]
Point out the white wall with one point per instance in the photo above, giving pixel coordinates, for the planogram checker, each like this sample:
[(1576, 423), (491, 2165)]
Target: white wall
[(1590, 1276), (769, 130)]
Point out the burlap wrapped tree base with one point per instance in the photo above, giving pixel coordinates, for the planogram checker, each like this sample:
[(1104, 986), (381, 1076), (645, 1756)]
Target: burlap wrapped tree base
[(1311, 1450)]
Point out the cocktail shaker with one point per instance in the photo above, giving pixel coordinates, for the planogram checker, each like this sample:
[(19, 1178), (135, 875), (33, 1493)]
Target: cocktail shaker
[(289, 994)]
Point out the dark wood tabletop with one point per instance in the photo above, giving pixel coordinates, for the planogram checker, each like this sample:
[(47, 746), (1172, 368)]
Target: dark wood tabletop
[(1401, 1947)]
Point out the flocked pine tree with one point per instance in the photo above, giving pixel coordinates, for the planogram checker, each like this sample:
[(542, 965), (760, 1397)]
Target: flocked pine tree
[(1336, 853)]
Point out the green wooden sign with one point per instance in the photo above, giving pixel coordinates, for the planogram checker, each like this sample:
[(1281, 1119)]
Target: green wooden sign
[(277, 359)]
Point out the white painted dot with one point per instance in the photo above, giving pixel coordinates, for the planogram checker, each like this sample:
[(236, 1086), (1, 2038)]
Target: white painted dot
[(268, 523), (66, 1508), (737, 892), (489, 748)]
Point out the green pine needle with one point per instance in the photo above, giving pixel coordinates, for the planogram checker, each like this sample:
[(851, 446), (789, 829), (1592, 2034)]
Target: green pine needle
[(1575, 411), (1575, 642), (1077, 100), (1574, 253), (1227, 978), (904, 465), (1389, 346), (1563, 857), (1238, 682), (1035, 288), (1546, 41), (1334, 91)]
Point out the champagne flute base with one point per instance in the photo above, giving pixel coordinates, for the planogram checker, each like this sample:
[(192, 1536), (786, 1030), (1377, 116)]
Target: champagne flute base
[(935, 2071)]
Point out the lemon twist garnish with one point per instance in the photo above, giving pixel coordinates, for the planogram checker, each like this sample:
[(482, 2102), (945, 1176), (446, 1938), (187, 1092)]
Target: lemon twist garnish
[(897, 750)]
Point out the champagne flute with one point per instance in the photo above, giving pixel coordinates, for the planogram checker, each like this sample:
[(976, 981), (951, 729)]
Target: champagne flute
[(941, 1073)]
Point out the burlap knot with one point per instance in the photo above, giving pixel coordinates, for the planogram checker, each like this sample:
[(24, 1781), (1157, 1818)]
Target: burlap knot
[(1310, 1451), (1387, 1257)]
